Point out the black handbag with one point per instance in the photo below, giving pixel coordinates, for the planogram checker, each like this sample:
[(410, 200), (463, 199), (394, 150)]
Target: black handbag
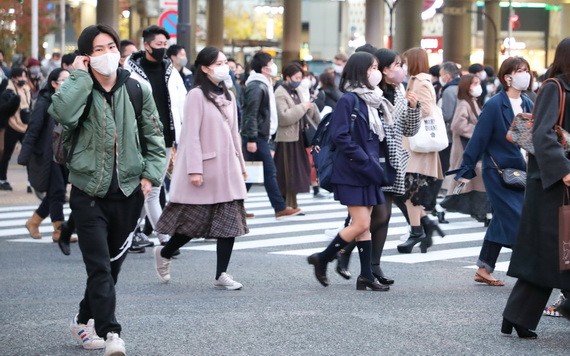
[(25, 115), (512, 178)]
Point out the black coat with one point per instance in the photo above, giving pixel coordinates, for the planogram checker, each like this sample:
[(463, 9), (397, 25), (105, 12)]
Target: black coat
[(535, 256), (37, 149), (256, 119)]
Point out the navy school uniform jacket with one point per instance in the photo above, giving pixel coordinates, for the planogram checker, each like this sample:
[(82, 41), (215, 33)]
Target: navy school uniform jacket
[(360, 152)]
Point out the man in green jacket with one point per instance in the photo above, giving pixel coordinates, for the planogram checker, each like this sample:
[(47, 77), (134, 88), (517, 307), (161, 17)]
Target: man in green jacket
[(109, 172)]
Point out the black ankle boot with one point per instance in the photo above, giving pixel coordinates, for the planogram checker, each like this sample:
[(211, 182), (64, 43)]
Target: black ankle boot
[(417, 235), (430, 227), (523, 333), (441, 217), (65, 239)]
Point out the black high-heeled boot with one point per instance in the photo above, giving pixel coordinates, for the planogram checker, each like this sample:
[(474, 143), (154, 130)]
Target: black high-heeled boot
[(523, 333), (342, 264), (65, 239), (417, 235), (441, 217), (430, 227)]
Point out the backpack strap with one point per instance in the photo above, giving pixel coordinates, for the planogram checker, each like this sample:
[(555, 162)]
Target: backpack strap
[(80, 122), (135, 95)]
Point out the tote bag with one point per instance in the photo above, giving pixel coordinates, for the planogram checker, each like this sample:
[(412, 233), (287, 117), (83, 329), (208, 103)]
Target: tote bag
[(564, 232), (432, 135)]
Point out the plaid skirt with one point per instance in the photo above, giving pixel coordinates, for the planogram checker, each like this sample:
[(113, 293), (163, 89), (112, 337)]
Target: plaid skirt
[(209, 221)]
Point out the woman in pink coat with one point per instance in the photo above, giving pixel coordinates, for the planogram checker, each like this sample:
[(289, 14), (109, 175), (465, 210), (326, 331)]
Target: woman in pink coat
[(207, 189)]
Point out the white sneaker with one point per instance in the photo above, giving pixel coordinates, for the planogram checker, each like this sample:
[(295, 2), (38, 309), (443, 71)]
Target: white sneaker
[(114, 345), (84, 335), (226, 281), (161, 265)]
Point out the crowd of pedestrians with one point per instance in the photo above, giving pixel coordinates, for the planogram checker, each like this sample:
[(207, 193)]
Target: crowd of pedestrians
[(148, 137)]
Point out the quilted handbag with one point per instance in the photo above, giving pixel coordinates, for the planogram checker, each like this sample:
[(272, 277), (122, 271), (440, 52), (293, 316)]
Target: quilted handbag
[(520, 131), (512, 178)]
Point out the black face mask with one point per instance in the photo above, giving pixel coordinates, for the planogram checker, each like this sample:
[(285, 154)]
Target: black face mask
[(158, 53), (21, 83)]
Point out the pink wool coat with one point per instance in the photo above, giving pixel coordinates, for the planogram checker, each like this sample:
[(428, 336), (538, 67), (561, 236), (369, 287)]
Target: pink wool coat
[(209, 145)]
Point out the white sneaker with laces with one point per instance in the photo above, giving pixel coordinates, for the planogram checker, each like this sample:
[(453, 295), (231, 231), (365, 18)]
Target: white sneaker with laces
[(114, 345), (226, 281), (161, 265), (84, 335)]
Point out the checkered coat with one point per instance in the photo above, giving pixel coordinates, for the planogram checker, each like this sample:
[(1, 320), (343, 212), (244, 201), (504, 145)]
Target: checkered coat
[(406, 123)]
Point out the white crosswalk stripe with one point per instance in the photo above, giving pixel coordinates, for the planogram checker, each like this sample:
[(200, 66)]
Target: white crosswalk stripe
[(301, 235)]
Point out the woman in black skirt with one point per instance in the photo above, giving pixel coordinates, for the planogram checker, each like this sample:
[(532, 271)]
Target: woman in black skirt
[(207, 188), (358, 134)]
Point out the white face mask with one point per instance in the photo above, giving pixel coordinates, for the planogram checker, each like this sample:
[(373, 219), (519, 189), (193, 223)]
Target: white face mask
[(374, 77), (229, 83), (182, 61), (221, 73), (338, 69), (482, 75), (105, 64), (476, 91), (405, 68), (442, 81), (520, 81), (274, 71)]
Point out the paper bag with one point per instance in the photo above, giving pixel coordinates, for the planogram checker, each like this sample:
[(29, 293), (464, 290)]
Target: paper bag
[(564, 233)]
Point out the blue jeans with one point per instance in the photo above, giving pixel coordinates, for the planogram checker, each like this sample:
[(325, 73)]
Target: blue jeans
[(263, 154)]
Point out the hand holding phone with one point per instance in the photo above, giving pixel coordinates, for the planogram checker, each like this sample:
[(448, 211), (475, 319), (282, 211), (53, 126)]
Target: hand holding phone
[(459, 188)]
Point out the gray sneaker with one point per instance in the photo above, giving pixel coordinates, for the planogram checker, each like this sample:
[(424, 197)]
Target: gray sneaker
[(161, 265), (141, 239)]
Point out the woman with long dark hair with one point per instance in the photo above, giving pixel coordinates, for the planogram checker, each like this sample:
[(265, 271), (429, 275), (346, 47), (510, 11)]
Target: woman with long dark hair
[(402, 108), (358, 175), (37, 145), (535, 260), (207, 189)]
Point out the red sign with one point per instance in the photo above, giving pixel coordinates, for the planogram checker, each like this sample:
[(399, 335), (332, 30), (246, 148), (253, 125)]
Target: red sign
[(169, 20)]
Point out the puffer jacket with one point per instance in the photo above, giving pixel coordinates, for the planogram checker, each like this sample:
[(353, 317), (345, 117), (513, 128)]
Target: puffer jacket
[(109, 130), (176, 89)]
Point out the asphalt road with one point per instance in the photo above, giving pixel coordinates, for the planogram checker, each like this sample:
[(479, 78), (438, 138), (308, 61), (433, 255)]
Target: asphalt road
[(434, 308)]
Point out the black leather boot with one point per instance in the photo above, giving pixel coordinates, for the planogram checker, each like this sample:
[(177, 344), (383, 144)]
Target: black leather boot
[(417, 235)]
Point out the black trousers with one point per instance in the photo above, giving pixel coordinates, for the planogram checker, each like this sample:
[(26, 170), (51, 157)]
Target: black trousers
[(11, 137), (52, 203), (103, 226), (526, 303)]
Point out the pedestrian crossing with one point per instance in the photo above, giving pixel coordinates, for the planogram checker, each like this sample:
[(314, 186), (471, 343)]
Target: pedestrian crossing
[(302, 235)]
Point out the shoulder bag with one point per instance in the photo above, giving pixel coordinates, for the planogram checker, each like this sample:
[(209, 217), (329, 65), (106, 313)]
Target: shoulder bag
[(512, 178), (520, 131)]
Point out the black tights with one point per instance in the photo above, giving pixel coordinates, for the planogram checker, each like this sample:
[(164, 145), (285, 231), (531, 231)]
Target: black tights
[(224, 248), (379, 221)]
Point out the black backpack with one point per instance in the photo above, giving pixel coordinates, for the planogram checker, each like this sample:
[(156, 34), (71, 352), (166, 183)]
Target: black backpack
[(135, 95)]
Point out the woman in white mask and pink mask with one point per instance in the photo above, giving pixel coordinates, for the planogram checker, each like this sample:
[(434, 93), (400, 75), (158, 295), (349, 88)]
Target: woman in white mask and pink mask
[(470, 199), (488, 142), (401, 119)]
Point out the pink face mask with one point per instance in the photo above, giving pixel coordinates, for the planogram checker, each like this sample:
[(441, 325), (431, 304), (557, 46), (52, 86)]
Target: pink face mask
[(396, 75)]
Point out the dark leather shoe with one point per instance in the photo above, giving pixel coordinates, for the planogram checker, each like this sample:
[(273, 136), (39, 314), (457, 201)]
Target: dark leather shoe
[(523, 333), (363, 283), (65, 239), (383, 279), (342, 265), (320, 268)]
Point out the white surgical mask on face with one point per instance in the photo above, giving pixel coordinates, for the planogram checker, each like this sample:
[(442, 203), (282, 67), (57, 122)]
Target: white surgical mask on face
[(105, 64), (229, 83), (182, 61), (338, 69), (405, 68), (442, 81), (274, 71), (520, 81), (482, 75), (374, 77), (306, 83), (476, 91), (221, 73)]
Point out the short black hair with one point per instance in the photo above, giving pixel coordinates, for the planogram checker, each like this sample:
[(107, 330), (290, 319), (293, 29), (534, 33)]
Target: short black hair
[(174, 50), (68, 58), (475, 68), (53, 77), (87, 36), (355, 72), (366, 48), (150, 33), (124, 44), (434, 70), (291, 69), (260, 60), (17, 72)]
